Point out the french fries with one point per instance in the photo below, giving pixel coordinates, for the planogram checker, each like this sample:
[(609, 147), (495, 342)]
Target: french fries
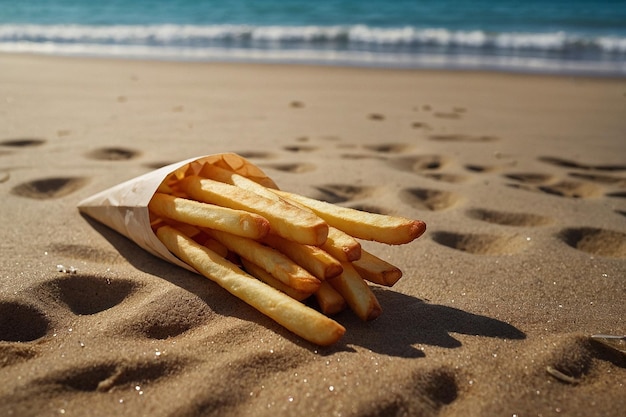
[(342, 246), (376, 270), (285, 219), (260, 273), (289, 247), (238, 222), (293, 315), (357, 293), (360, 224), (312, 258), (329, 300), (274, 262)]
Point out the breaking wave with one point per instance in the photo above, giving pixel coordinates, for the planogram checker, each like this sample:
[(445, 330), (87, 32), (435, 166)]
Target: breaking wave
[(345, 44)]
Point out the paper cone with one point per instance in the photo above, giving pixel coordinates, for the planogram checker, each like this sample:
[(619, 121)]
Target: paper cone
[(124, 207)]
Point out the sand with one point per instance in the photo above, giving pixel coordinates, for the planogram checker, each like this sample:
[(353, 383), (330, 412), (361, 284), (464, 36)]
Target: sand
[(521, 180)]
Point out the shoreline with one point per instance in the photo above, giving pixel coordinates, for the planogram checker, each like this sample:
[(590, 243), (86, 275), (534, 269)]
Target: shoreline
[(520, 179), (577, 73)]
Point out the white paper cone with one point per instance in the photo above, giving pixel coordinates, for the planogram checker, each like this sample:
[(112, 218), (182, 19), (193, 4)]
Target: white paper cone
[(124, 207)]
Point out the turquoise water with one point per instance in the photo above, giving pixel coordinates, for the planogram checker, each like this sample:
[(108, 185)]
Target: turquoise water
[(577, 36)]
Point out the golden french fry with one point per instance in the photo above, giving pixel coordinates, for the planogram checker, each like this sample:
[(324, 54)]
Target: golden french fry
[(293, 315), (187, 229), (360, 224), (341, 245), (286, 220), (274, 262), (259, 273), (376, 270), (357, 293), (329, 300), (229, 177), (239, 222), (315, 260)]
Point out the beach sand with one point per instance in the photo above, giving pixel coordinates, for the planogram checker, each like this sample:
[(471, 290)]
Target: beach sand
[(521, 180)]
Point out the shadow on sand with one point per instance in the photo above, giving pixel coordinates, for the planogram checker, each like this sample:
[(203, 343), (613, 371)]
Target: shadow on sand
[(407, 321)]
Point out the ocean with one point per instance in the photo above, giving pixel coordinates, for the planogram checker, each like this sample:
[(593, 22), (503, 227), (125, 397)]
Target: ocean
[(585, 37)]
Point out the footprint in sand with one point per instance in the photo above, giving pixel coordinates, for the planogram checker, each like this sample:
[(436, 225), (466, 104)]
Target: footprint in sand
[(107, 376), (549, 184), (572, 189), (21, 322), (463, 138), (429, 199), (389, 148), (381, 150), (608, 180), (22, 142), (565, 163), (49, 187), (487, 169), (19, 143), (508, 218), (341, 193), (440, 385), (86, 295), (112, 154), (428, 391), (420, 125), (575, 359), (250, 374), (532, 178), (256, 155), (171, 315), (446, 177), (479, 243), (13, 353), (419, 163), (295, 168), (601, 242), (300, 148)]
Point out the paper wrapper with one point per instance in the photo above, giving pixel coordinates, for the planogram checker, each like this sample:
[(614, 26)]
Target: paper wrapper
[(124, 207)]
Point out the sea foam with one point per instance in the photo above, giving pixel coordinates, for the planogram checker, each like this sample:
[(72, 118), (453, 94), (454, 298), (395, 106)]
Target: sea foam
[(351, 44)]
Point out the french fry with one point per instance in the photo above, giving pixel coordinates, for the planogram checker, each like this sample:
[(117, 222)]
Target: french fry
[(376, 270), (315, 260), (360, 224), (329, 300), (197, 235), (229, 177), (239, 222), (291, 314), (341, 246), (274, 262), (357, 293), (286, 220), (259, 273)]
